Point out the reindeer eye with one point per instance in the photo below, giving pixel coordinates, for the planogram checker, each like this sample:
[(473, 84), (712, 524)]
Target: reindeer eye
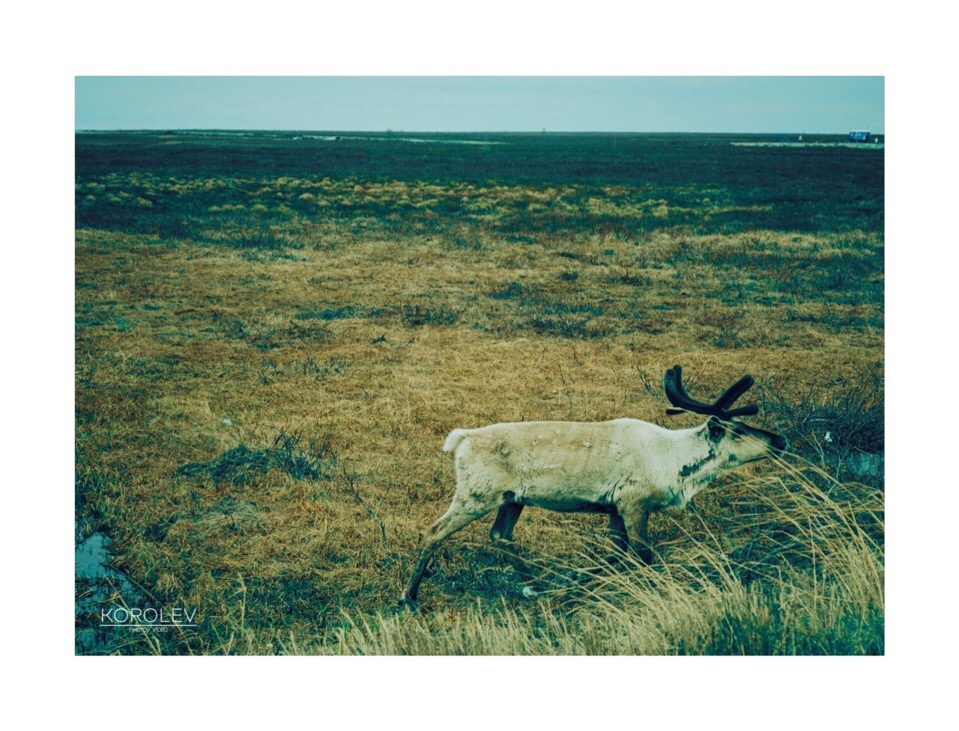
[(716, 429)]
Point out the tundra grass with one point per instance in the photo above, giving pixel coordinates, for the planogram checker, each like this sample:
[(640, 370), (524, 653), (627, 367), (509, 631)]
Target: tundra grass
[(267, 366)]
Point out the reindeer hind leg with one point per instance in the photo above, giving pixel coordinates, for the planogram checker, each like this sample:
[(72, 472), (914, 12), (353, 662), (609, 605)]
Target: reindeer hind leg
[(458, 516)]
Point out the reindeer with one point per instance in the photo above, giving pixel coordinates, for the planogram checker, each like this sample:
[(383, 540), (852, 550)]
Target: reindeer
[(625, 468)]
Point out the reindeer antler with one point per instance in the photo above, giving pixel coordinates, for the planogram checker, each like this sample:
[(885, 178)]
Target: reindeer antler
[(673, 385)]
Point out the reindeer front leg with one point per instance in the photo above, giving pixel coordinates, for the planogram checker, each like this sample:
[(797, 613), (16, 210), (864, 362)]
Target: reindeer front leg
[(617, 530), (634, 519)]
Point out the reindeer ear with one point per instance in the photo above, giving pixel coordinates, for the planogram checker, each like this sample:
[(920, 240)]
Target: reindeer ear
[(676, 411)]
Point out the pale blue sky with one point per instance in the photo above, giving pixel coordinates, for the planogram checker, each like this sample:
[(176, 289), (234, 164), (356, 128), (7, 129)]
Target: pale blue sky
[(476, 103)]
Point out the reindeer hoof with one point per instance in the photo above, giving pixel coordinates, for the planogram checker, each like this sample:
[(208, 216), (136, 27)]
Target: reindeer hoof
[(408, 604)]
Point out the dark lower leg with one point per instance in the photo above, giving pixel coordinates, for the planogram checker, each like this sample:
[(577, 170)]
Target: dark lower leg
[(409, 593), (617, 531), (506, 518), (636, 522), (502, 536)]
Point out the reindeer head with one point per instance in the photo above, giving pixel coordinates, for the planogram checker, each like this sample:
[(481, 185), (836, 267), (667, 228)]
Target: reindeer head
[(735, 441)]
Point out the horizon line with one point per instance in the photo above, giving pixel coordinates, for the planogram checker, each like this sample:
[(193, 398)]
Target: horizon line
[(390, 130)]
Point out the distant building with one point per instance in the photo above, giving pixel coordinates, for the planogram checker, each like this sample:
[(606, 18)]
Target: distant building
[(860, 135)]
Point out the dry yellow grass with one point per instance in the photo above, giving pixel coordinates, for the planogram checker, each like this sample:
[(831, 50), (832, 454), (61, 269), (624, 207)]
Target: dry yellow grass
[(371, 348)]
